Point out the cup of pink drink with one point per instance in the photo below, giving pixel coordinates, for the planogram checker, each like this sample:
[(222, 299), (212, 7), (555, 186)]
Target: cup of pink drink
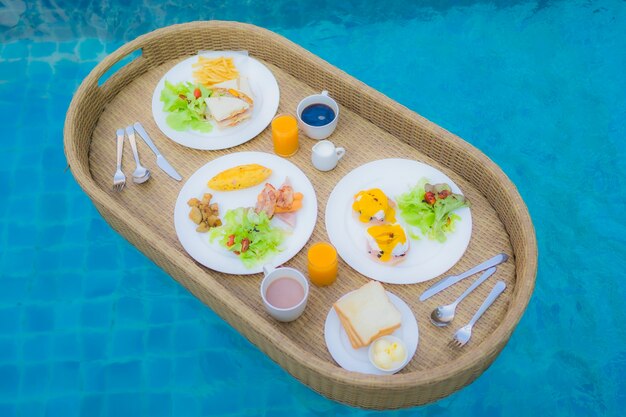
[(284, 292)]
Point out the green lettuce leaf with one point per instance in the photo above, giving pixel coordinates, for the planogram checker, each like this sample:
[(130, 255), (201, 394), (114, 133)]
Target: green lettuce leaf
[(433, 220), (185, 110), (243, 222)]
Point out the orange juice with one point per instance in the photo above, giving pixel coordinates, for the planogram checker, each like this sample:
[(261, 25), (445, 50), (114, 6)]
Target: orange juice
[(285, 135), (322, 264)]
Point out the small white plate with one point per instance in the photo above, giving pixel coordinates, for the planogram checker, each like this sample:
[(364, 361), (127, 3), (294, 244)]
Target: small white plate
[(426, 258), (357, 360), (266, 96), (211, 254)]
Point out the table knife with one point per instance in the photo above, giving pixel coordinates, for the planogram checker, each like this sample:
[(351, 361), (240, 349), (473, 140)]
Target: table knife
[(161, 161), (453, 279)]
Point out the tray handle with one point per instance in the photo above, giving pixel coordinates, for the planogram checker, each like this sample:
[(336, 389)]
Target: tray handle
[(118, 69)]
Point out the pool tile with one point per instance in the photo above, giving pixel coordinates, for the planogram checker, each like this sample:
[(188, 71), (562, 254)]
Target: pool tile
[(19, 235), (123, 376), (159, 340), (38, 318), (12, 70), (94, 345), (8, 350), (188, 337), (67, 315), (100, 284), (70, 282), (66, 346), (22, 205), (186, 404), (186, 371), (42, 49), (32, 408), (125, 404), (162, 310), (53, 235), (66, 406), (104, 257), (93, 375), (36, 348), (96, 314), (160, 405), (35, 380), (65, 377), (9, 381), (128, 343), (43, 288), (10, 318), (158, 372), (130, 310), (19, 261), (92, 405), (50, 258), (52, 206), (15, 50), (8, 410), (40, 70), (90, 48)]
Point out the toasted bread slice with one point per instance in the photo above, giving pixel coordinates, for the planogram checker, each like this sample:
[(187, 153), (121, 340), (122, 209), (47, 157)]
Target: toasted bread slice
[(368, 313)]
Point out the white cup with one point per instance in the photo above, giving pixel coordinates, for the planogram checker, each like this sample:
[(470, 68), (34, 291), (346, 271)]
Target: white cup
[(272, 274), (318, 132), (325, 155)]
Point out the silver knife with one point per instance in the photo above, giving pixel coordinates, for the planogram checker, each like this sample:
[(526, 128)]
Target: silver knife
[(453, 279), (161, 161)]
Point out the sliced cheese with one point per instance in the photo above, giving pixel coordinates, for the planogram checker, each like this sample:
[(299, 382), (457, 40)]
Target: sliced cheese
[(367, 313)]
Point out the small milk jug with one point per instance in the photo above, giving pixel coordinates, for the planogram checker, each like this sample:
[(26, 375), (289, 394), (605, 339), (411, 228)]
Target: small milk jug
[(325, 155)]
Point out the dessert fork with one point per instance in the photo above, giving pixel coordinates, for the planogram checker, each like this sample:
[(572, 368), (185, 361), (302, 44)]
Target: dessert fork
[(119, 179), (462, 336)]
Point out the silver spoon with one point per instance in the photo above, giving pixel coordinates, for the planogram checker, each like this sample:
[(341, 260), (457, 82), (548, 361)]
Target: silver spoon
[(443, 315), (141, 173)]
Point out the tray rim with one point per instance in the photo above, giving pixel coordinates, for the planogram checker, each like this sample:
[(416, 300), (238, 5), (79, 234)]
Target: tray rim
[(98, 96)]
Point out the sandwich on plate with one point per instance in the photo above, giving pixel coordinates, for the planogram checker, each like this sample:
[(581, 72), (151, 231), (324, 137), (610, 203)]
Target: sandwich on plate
[(230, 102)]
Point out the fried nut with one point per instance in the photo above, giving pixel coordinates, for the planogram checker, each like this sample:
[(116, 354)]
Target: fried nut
[(195, 215)]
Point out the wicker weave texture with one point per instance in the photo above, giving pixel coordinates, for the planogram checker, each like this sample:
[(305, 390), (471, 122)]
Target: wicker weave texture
[(371, 127)]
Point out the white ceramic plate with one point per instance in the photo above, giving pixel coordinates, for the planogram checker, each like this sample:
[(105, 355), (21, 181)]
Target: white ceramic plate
[(357, 360), (212, 255), (265, 95), (426, 258)]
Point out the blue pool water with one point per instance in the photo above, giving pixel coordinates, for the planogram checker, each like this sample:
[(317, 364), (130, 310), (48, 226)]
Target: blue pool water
[(89, 326)]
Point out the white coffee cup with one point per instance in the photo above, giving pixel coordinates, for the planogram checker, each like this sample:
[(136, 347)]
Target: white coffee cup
[(325, 155), (318, 132), (272, 274)]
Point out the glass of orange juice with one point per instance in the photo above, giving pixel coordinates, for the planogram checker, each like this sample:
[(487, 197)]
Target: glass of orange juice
[(285, 135), (322, 264)]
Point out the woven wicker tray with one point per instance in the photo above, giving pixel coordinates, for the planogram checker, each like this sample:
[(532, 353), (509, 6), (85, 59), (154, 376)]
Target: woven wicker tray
[(372, 127)]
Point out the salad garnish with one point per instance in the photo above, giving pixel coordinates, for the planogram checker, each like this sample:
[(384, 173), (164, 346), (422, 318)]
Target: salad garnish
[(430, 208), (248, 235), (185, 104)]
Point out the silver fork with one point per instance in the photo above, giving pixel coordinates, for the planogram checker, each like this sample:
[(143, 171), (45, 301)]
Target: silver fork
[(462, 336), (119, 179)]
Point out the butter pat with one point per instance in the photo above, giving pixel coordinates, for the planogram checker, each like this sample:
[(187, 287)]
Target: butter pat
[(388, 353)]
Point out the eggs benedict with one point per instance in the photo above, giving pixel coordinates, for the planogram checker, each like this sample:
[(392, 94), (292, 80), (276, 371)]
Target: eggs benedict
[(373, 206)]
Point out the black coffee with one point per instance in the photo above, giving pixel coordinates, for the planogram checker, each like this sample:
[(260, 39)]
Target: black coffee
[(317, 114)]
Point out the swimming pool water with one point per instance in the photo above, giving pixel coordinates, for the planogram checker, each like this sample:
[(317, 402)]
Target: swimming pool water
[(89, 326)]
